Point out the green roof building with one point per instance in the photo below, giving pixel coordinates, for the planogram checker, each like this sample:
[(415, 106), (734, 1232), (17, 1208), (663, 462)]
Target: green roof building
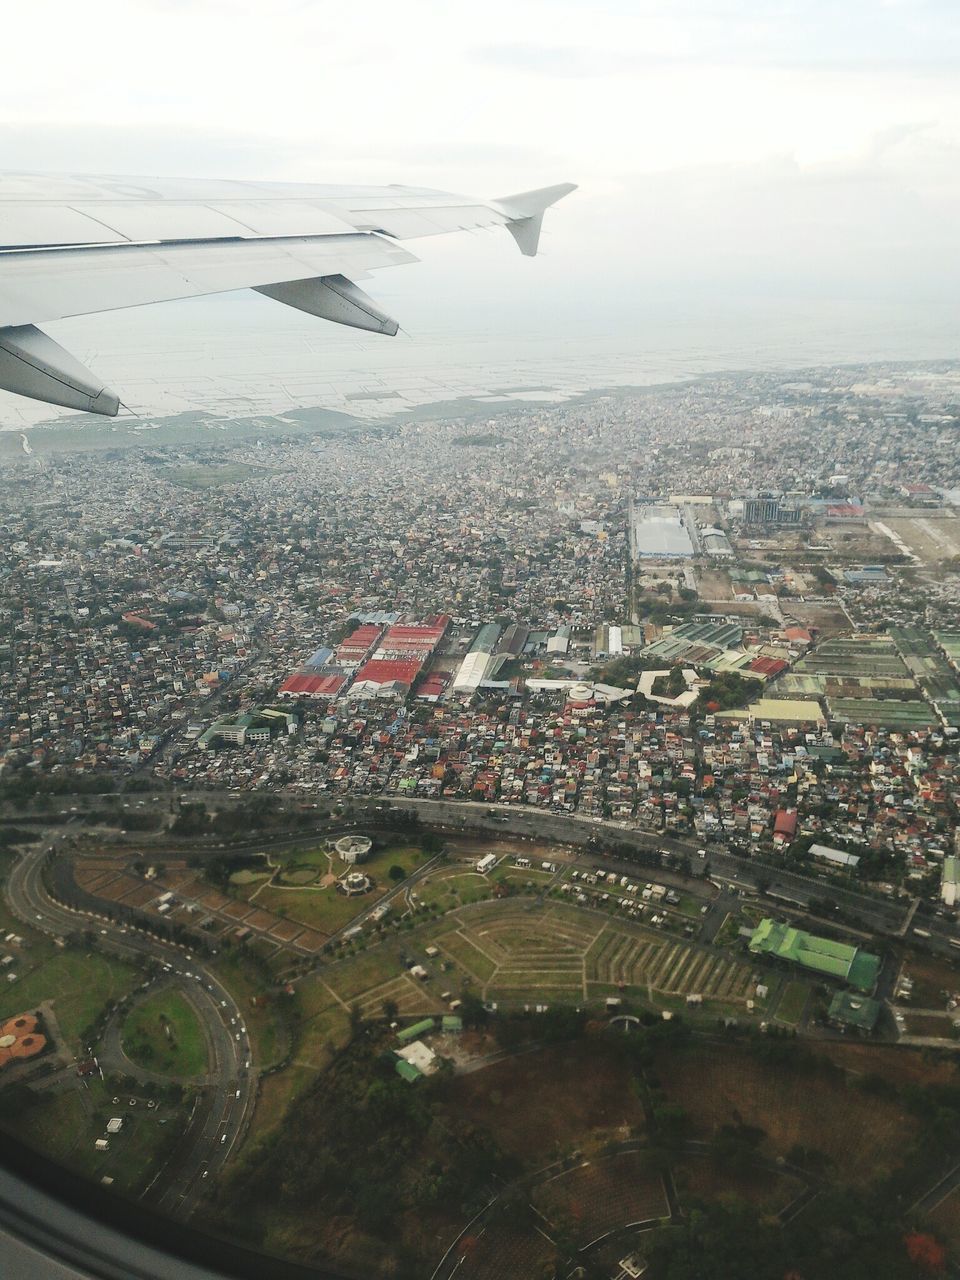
[(830, 959), (415, 1031), (849, 1010), (407, 1071)]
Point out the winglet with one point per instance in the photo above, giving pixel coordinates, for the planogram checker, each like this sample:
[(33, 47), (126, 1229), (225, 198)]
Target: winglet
[(525, 212)]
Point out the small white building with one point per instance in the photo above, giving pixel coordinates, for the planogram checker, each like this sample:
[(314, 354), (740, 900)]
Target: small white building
[(114, 1125), (836, 857), (421, 1056)]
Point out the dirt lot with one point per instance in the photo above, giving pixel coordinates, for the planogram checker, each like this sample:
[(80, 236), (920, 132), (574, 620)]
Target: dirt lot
[(828, 619), (714, 584), (863, 1135), (930, 1024), (931, 979), (564, 1097), (932, 539)]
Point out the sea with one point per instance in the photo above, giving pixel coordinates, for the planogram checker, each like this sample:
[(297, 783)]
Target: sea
[(239, 355)]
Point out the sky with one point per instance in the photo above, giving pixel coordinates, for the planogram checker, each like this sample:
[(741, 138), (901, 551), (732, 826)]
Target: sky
[(724, 149)]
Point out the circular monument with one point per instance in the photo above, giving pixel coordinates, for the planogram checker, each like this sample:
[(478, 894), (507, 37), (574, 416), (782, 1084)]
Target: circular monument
[(354, 883), (353, 849)]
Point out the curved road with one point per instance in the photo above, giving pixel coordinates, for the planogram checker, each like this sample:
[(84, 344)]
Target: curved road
[(224, 1108)]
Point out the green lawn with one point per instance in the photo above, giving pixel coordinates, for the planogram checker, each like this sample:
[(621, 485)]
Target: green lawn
[(792, 1002), (461, 949), (79, 983), (325, 909), (351, 977), (326, 1031), (164, 1034), (305, 858), (454, 889), (689, 906), (321, 909)]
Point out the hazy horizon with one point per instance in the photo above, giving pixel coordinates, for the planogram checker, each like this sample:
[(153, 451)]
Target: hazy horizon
[(742, 169)]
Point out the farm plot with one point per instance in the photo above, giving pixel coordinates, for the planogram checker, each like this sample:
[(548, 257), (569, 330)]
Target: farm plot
[(503, 1252), (468, 955), (602, 1195), (404, 992), (538, 954), (650, 961), (864, 1136)]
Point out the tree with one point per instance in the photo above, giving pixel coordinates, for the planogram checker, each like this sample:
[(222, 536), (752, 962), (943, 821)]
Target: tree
[(397, 873)]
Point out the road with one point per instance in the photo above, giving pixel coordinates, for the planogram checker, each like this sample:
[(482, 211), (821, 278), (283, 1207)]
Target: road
[(226, 1103)]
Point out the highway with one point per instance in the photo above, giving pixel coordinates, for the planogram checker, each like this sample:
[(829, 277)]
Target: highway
[(226, 1101), (879, 915)]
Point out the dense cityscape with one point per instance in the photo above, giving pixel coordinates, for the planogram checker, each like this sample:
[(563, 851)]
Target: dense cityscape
[(316, 705)]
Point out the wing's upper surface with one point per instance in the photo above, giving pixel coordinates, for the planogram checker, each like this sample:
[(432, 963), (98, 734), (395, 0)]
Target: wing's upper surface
[(71, 246)]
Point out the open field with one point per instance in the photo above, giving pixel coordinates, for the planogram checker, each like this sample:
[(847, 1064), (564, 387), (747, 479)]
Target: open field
[(78, 983), (454, 887), (163, 1034), (828, 619), (714, 584), (890, 1062), (603, 1194), (864, 1136), (930, 1024), (277, 1093), (931, 538)]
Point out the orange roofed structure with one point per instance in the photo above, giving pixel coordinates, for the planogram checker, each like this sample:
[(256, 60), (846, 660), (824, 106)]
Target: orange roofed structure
[(20, 1038)]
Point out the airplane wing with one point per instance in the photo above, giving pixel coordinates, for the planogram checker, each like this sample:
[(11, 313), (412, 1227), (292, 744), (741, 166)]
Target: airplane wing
[(72, 246)]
